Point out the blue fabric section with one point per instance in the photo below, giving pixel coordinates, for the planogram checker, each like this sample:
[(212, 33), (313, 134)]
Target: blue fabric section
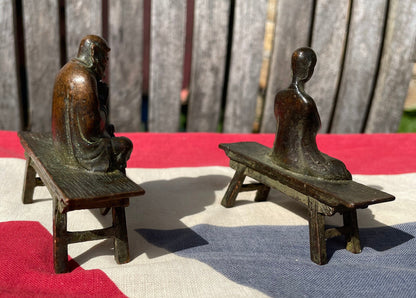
[(275, 259)]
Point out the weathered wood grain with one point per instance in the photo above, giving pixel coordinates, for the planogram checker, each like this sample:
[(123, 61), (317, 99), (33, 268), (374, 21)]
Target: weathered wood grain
[(10, 117), (166, 63), (360, 66), (42, 59), (395, 68), (293, 29), (246, 59), (125, 40), (82, 18), (208, 64), (328, 41), (168, 34)]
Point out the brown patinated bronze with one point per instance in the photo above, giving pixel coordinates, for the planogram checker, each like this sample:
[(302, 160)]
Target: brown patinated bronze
[(80, 129), (297, 168), (298, 123), (81, 163)]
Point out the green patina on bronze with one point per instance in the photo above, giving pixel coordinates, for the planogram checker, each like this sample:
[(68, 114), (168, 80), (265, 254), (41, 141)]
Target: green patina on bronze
[(76, 189), (297, 168), (81, 162)]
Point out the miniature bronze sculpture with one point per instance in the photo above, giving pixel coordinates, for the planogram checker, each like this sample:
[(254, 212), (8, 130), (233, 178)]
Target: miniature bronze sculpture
[(297, 168), (298, 123), (81, 163), (80, 128)]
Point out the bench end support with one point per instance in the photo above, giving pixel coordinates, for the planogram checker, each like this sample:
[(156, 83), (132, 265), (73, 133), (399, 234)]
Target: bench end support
[(353, 236), (121, 242), (234, 188), (60, 243), (317, 234)]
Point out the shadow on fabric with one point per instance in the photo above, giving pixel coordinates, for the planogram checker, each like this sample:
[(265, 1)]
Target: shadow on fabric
[(157, 215), (276, 260), (173, 240)]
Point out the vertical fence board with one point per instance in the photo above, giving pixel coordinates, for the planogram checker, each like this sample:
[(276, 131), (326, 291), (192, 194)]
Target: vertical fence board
[(42, 59), (125, 40), (246, 60), (10, 117), (293, 28), (328, 41), (360, 66), (208, 63), (395, 69), (82, 18), (167, 48)]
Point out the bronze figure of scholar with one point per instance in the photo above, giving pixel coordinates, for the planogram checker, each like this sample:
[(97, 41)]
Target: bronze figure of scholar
[(298, 123), (80, 129), (82, 163)]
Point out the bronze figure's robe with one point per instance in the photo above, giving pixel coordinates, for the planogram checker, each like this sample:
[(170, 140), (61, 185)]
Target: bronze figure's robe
[(80, 129)]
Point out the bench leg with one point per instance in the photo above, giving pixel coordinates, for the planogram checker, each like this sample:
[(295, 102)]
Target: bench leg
[(234, 188), (262, 194), (60, 244), (29, 183), (352, 236), (104, 211), (317, 234), (121, 242)]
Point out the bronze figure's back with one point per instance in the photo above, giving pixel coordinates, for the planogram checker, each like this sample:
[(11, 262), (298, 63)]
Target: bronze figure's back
[(298, 123), (80, 129)]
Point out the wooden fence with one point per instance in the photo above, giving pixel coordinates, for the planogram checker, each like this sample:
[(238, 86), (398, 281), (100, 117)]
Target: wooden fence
[(364, 50)]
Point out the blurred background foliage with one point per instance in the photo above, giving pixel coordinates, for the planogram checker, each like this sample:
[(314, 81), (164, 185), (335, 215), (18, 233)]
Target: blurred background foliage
[(408, 122)]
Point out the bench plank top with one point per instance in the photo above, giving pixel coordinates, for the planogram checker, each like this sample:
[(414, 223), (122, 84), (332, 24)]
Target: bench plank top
[(337, 194), (76, 187)]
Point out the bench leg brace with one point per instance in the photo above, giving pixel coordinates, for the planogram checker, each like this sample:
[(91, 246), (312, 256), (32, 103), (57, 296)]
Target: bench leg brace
[(262, 193), (234, 188), (317, 234), (61, 238), (60, 243), (352, 236), (29, 183), (121, 242)]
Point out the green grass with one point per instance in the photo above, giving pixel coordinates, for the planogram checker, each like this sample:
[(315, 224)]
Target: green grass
[(408, 121)]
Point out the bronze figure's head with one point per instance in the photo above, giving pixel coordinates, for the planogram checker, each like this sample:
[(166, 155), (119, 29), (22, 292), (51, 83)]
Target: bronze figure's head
[(93, 51)]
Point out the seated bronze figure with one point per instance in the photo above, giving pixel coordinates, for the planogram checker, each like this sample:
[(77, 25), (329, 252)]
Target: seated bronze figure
[(296, 167), (298, 123), (81, 163), (80, 129)]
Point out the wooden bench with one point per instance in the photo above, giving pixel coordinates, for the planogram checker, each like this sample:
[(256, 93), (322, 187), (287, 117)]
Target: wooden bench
[(323, 198), (76, 189)]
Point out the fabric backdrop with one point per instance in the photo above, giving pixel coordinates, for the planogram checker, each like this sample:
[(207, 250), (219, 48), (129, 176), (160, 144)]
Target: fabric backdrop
[(183, 243)]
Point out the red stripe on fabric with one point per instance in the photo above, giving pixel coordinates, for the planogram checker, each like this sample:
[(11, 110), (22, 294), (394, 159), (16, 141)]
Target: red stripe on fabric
[(362, 153), (372, 154), (27, 267), (10, 145)]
